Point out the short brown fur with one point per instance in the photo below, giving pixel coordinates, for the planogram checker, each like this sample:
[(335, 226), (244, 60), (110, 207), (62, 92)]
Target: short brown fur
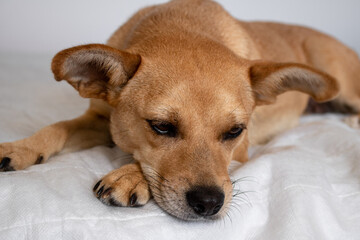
[(189, 64)]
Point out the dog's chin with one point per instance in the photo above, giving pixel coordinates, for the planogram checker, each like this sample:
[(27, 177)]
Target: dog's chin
[(170, 195)]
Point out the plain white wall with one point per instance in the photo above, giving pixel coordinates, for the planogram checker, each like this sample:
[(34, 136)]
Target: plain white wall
[(49, 26)]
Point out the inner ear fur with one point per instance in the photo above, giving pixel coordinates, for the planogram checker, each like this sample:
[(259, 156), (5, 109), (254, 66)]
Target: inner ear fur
[(271, 79), (95, 70)]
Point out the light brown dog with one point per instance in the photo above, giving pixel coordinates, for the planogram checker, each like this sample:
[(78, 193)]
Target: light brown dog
[(183, 86)]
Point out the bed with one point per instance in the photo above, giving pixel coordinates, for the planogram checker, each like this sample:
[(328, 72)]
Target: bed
[(304, 184)]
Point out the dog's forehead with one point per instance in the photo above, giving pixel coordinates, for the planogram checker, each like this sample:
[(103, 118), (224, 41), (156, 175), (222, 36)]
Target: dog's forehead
[(200, 101), (205, 80)]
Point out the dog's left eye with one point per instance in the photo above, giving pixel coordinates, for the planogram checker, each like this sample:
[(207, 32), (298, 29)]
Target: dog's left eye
[(163, 128), (233, 133)]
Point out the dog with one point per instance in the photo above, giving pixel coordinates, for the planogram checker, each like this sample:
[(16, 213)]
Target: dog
[(185, 88)]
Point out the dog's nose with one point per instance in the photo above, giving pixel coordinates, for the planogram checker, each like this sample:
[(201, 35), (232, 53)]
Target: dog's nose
[(205, 201)]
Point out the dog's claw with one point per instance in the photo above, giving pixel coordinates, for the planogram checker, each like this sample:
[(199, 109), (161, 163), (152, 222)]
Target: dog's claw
[(99, 192), (40, 159), (96, 185), (5, 162), (133, 199), (5, 165)]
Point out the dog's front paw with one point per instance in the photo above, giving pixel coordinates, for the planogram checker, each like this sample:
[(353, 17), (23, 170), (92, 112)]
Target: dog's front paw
[(17, 156), (125, 186)]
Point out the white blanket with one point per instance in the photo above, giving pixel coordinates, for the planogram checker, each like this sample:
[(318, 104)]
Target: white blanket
[(304, 184)]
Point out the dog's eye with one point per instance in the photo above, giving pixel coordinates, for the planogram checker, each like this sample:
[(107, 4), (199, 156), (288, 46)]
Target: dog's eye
[(163, 128), (233, 133)]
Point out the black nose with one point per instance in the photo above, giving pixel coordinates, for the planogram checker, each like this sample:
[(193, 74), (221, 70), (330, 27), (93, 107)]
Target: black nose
[(205, 201)]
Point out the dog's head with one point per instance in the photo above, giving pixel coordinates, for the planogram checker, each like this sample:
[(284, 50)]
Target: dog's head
[(183, 113)]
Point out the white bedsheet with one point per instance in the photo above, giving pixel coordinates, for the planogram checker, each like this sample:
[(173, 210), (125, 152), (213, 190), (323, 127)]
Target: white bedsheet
[(305, 184)]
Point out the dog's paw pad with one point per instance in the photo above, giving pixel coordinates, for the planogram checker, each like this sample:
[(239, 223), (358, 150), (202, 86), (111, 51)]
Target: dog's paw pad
[(353, 121), (124, 187)]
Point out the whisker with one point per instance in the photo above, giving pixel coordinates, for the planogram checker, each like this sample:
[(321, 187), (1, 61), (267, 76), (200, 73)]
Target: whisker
[(238, 192), (244, 179), (243, 200)]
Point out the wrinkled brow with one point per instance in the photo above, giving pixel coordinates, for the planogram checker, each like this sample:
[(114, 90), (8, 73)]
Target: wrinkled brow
[(238, 116), (165, 113)]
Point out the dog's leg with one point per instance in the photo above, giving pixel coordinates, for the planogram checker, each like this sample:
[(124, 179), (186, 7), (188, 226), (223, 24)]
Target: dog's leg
[(125, 186), (88, 130), (341, 62)]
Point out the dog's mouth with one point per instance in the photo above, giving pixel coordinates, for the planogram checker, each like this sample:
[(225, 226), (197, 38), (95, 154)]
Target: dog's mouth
[(178, 198)]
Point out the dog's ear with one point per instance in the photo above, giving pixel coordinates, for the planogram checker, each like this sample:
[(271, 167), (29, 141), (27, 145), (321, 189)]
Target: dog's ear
[(271, 79), (95, 70)]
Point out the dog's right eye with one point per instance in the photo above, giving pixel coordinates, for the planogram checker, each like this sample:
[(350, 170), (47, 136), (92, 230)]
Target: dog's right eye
[(234, 132), (163, 128)]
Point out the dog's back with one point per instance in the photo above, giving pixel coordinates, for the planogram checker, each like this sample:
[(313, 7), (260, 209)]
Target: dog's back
[(253, 40)]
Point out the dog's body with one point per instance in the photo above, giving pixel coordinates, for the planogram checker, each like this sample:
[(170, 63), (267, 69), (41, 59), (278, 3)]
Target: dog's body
[(181, 87)]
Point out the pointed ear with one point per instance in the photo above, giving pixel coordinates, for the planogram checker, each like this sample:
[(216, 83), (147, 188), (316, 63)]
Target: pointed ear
[(271, 79), (95, 70)]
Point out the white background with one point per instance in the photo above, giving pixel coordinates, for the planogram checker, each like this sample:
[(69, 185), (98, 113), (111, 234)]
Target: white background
[(48, 26)]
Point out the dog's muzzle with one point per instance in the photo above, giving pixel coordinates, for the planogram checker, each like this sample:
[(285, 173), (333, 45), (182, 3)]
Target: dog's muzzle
[(205, 201)]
